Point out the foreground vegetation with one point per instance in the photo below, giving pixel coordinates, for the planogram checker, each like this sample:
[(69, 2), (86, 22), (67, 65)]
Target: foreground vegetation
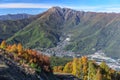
[(26, 57), (88, 70), (80, 67), (31, 61)]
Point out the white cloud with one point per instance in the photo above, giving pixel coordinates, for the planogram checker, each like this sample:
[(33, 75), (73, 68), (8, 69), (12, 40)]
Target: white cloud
[(29, 5), (109, 9), (102, 8), (24, 5)]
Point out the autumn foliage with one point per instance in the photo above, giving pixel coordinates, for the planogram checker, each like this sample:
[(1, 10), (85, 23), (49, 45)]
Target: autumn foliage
[(29, 57), (81, 67), (3, 44), (88, 70)]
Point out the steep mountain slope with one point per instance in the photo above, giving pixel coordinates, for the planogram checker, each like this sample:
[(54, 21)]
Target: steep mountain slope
[(9, 27), (46, 30), (43, 32), (100, 32), (89, 31), (15, 16)]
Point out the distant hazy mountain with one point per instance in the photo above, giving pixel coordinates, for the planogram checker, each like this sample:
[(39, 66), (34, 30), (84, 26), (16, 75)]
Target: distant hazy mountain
[(89, 31), (9, 27), (15, 16)]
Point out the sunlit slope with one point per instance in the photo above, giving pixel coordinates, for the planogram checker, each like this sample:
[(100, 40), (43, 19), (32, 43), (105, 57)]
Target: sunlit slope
[(89, 31)]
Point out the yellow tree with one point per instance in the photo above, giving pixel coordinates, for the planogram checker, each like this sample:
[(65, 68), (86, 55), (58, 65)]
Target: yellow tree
[(74, 71), (13, 48), (85, 66), (60, 69), (3, 44), (105, 70), (98, 75), (91, 70), (84, 59), (104, 66), (80, 68), (19, 48), (68, 68), (55, 69), (8, 48)]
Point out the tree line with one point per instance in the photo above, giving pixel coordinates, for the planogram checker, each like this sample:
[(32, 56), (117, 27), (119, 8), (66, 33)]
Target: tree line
[(88, 70)]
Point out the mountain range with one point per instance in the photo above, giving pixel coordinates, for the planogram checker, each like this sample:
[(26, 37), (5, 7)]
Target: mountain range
[(14, 16), (88, 31)]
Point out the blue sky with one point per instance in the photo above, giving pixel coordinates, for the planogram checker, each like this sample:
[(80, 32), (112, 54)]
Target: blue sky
[(38, 6)]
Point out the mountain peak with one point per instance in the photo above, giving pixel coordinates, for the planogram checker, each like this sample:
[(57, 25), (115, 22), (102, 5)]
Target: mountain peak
[(56, 8), (59, 8)]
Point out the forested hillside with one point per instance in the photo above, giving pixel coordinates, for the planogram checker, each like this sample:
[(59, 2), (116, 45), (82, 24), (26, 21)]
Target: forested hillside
[(28, 64), (88, 70), (9, 27), (38, 66), (88, 31)]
